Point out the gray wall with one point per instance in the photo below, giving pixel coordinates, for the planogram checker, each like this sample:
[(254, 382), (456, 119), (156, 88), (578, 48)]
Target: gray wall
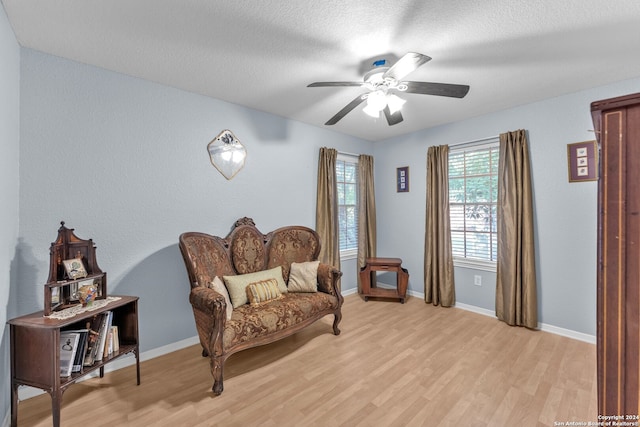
[(9, 186), (565, 214), (123, 161)]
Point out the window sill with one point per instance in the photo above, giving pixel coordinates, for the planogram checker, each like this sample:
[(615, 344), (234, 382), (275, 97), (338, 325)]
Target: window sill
[(475, 264), (348, 254)]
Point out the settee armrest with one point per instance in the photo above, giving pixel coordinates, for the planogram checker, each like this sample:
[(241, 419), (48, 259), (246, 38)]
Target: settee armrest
[(209, 309), (328, 277)]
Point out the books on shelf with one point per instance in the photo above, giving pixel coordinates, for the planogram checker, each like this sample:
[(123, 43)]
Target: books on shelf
[(101, 338), (113, 343), (93, 326), (68, 348), (116, 338), (105, 327), (82, 348)]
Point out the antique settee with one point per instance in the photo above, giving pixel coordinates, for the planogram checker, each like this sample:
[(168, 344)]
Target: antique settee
[(244, 253)]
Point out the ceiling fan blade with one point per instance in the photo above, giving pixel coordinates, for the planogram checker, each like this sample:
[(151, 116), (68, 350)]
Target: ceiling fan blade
[(405, 65), (328, 84), (392, 119), (439, 89), (350, 106)]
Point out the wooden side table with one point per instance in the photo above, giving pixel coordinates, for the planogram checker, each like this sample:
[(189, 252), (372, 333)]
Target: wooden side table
[(372, 265)]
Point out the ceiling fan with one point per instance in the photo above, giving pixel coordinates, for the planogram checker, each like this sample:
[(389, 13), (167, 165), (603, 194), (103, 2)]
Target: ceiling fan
[(382, 81)]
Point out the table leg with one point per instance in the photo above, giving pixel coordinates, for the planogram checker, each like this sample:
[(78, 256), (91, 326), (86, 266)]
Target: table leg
[(14, 404), (137, 353), (56, 401)]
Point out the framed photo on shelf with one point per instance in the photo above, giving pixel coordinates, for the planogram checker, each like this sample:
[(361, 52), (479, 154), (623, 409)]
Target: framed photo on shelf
[(582, 159), (74, 268), (402, 179)]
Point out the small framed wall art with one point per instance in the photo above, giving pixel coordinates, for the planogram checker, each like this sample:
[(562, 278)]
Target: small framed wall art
[(583, 161), (402, 179)]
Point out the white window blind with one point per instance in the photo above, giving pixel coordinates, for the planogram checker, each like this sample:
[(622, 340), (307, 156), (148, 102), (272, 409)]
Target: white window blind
[(473, 196), (347, 182)]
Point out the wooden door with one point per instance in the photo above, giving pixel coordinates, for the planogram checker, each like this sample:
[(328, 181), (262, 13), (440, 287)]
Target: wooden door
[(617, 124)]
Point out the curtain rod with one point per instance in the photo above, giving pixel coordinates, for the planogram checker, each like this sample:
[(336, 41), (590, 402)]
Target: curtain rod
[(348, 154), (475, 141)]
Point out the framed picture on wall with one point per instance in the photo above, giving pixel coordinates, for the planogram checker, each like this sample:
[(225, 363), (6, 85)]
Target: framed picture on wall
[(402, 179), (582, 158)]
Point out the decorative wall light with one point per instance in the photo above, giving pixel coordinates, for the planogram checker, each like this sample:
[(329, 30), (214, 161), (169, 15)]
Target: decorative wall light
[(227, 154)]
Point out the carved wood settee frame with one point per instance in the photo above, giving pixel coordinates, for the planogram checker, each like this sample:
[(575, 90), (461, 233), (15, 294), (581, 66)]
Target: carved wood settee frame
[(246, 250)]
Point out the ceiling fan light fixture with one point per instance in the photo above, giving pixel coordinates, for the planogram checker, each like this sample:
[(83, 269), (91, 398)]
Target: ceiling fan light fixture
[(371, 111), (377, 99), (395, 103)]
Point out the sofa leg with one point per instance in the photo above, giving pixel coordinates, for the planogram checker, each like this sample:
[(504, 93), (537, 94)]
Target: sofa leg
[(216, 371), (336, 320)]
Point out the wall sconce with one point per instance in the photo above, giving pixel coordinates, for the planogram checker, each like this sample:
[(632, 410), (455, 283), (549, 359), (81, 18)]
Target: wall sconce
[(227, 154)]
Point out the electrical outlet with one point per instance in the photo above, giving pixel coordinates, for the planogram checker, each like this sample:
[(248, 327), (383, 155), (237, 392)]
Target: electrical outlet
[(477, 280)]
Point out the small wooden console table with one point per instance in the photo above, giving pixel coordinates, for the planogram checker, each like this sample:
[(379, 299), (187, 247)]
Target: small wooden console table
[(369, 289), (35, 357)]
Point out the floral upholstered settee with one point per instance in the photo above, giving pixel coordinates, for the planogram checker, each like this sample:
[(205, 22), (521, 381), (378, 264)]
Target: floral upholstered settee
[(269, 281)]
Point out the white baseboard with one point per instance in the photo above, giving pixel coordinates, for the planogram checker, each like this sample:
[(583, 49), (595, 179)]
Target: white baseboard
[(350, 292), (591, 339), (473, 308), (25, 392)]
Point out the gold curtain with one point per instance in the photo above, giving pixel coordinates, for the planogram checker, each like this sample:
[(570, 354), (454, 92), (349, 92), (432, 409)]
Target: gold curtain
[(516, 299), (366, 212), (439, 284), (327, 207)]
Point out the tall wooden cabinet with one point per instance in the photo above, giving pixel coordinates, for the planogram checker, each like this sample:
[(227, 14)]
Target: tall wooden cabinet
[(617, 125)]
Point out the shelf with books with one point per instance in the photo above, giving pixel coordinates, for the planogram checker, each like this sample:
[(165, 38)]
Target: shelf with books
[(36, 348)]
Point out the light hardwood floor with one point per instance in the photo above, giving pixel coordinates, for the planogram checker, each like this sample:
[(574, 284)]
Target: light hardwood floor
[(393, 365)]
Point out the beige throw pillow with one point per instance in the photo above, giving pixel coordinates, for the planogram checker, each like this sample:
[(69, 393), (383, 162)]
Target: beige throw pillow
[(304, 276), (219, 287), (237, 285), (262, 291)]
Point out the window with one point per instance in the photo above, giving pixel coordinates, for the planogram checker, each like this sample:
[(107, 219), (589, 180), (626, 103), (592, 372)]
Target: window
[(473, 196), (347, 182)]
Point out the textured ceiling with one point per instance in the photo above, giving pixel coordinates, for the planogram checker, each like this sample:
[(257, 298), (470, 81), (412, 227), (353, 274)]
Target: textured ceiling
[(263, 53)]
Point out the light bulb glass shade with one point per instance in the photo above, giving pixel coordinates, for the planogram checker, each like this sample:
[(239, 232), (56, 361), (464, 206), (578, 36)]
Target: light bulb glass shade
[(395, 103), (371, 111), (377, 100)]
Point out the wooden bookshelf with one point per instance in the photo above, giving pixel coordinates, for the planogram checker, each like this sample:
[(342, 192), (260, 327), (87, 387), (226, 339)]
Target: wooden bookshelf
[(35, 355)]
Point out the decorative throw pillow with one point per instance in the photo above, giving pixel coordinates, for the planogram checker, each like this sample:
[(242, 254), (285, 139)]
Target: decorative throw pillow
[(304, 276), (237, 285), (264, 290), (219, 287)]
